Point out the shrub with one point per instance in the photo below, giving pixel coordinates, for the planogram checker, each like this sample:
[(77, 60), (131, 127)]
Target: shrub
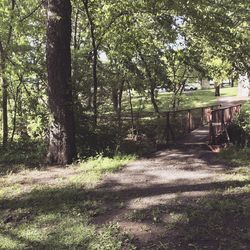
[(239, 130)]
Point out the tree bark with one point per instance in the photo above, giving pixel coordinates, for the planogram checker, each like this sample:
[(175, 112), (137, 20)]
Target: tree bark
[(131, 108), (217, 90), (15, 108), (232, 82), (117, 101), (94, 58), (152, 98), (62, 149), (4, 96), (3, 57), (152, 83)]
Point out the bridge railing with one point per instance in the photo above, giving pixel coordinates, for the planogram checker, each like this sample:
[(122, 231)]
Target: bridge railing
[(162, 128), (219, 120), (182, 122)]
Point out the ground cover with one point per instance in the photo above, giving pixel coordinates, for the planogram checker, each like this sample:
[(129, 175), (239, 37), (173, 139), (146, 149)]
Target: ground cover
[(49, 208), (178, 199)]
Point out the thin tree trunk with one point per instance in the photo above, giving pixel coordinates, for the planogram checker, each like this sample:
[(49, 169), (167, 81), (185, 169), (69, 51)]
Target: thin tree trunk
[(94, 59), (16, 97), (115, 99), (15, 109), (232, 82), (62, 149), (117, 102), (3, 52), (152, 83), (217, 90), (75, 30), (152, 97), (5, 111), (131, 109), (4, 96), (120, 104)]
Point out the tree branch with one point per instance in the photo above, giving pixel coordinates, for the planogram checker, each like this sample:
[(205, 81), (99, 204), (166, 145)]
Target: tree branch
[(32, 11)]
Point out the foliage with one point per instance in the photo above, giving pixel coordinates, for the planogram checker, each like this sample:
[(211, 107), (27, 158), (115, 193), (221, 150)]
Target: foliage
[(239, 130), (24, 152), (238, 157), (140, 45)]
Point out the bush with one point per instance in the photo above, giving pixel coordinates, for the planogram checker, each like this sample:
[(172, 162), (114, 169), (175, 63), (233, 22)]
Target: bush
[(239, 130), (24, 152)]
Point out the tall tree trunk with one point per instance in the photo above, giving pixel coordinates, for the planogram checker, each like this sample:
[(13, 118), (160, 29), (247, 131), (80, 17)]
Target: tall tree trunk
[(131, 109), (62, 149), (115, 96), (152, 83), (232, 82), (94, 58), (4, 84), (16, 97), (117, 101)]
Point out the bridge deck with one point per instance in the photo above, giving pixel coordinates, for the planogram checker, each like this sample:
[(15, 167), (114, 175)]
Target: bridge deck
[(198, 136)]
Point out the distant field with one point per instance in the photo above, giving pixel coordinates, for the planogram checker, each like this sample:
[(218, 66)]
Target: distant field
[(192, 99)]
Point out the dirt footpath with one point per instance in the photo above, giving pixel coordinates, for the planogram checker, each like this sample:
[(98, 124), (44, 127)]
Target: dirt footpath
[(148, 186)]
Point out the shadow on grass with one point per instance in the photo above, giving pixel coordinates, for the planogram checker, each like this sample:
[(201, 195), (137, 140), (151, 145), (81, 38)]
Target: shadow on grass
[(210, 215), (213, 222), (210, 222)]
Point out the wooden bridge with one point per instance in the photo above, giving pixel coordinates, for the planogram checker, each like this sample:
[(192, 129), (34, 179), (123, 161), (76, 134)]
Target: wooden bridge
[(197, 125), (213, 129), (219, 121)]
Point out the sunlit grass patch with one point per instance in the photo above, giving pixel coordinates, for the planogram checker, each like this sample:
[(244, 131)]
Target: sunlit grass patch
[(9, 190), (95, 167), (198, 98)]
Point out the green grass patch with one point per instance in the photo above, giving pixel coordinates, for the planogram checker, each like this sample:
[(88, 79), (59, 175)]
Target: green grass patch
[(95, 167), (199, 98), (236, 156), (58, 215)]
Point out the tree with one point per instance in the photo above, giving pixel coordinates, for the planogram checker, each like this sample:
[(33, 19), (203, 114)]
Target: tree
[(3, 65), (62, 149), (94, 55)]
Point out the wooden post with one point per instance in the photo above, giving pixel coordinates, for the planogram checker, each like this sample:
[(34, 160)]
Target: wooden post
[(202, 116), (222, 120), (211, 129)]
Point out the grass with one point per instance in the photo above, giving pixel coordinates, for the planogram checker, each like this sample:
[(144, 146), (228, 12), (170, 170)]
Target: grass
[(95, 167), (58, 210), (199, 98), (54, 211)]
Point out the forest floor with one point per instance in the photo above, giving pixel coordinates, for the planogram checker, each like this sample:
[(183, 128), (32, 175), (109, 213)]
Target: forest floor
[(180, 198), (184, 197)]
